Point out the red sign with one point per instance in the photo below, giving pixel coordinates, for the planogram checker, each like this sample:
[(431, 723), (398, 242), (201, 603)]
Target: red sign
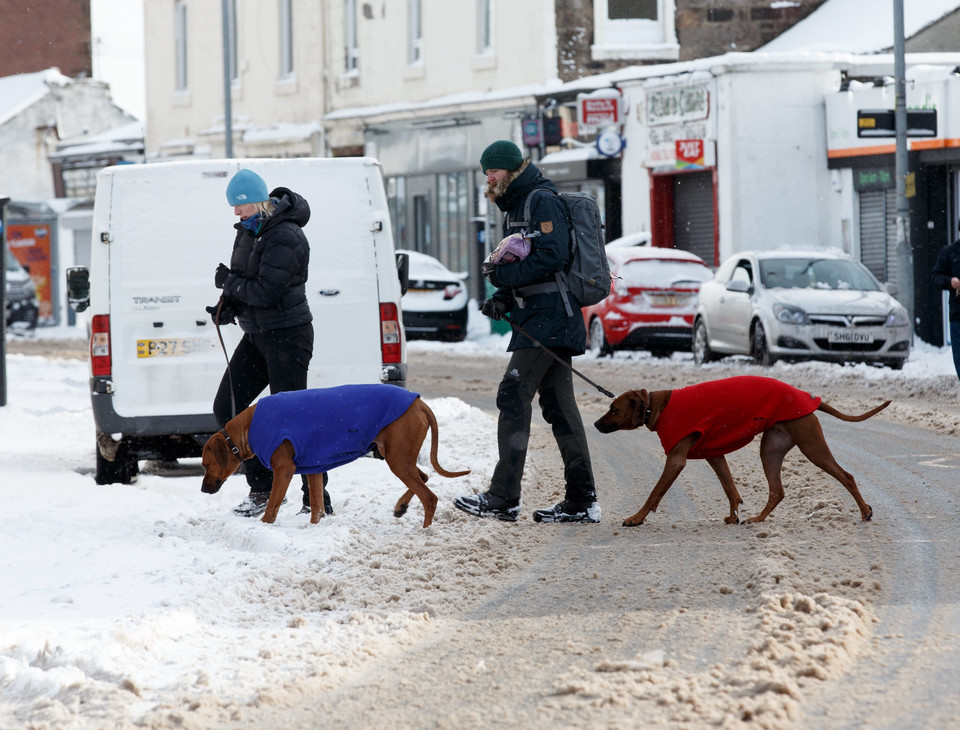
[(689, 153), (599, 112)]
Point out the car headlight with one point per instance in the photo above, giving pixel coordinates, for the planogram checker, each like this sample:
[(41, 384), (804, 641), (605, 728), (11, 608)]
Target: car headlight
[(790, 314), (897, 318)]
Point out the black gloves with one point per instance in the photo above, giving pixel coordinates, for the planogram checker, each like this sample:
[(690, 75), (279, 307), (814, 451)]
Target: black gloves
[(226, 314), (489, 272), (220, 278), (494, 309)]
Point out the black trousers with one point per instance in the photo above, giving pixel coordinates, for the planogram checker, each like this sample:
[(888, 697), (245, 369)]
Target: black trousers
[(529, 372), (278, 359)]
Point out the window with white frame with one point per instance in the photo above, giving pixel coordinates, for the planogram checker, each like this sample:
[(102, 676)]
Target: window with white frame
[(351, 56), (484, 27), (635, 29), (180, 45), (415, 45), (286, 38)]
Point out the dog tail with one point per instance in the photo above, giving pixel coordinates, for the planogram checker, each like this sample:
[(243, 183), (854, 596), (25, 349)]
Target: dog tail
[(845, 417), (434, 444)]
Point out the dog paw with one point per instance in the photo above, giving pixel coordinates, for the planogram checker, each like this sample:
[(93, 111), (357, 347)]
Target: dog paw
[(632, 522), (400, 510), (731, 520)]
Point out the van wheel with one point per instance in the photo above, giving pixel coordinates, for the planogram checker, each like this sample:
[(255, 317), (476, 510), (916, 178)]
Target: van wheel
[(598, 342), (122, 470)]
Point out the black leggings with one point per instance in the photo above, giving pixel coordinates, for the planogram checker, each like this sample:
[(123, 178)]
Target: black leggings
[(278, 359)]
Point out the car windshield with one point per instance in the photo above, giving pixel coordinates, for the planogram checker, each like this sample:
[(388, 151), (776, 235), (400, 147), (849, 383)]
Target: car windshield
[(664, 273), (805, 273)]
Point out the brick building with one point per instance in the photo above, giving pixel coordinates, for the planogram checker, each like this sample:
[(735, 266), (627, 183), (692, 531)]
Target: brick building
[(44, 33), (703, 28)]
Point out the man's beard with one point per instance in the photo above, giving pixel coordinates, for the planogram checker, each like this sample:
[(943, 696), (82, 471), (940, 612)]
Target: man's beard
[(495, 190)]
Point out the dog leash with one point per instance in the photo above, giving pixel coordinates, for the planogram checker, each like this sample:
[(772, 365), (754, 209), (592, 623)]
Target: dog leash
[(552, 354), (216, 322)]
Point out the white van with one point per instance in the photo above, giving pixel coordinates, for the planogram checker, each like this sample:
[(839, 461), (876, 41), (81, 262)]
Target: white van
[(159, 231)]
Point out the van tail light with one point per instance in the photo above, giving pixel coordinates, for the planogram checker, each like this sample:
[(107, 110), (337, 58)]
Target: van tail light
[(391, 337), (450, 291), (100, 360)]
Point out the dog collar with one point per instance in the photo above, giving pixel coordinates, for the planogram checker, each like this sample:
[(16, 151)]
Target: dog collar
[(647, 414), (233, 446)]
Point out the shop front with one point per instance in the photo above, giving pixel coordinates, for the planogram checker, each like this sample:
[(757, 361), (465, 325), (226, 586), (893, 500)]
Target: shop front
[(861, 147)]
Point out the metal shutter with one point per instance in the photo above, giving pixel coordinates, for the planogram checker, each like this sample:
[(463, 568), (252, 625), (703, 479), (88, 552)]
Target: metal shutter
[(693, 214), (878, 233)]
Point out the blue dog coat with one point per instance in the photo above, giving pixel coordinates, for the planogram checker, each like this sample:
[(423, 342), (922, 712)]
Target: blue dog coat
[(328, 427)]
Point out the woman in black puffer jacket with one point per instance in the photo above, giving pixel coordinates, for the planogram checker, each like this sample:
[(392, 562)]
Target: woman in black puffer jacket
[(264, 288)]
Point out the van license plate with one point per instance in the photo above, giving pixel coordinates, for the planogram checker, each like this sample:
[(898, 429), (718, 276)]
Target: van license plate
[(171, 348), (849, 337)]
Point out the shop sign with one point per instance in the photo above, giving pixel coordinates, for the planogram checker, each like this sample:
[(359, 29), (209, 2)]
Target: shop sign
[(677, 105), (531, 131), (30, 243), (600, 109), (689, 154)]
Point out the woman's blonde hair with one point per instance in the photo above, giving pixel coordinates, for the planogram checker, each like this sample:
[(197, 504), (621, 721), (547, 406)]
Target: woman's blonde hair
[(265, 207)]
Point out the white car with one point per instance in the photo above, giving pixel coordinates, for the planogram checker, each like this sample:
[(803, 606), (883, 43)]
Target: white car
[(435, 304), (796, 305)]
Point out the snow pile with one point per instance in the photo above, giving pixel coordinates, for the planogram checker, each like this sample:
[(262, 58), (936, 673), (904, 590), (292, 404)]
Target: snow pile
[(122, 597)]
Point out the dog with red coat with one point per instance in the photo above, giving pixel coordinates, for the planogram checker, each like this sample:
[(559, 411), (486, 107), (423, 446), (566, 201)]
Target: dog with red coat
[(712, 419)]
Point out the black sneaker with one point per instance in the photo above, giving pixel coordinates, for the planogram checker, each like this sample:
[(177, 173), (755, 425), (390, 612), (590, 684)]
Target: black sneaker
[(254, 505), (489, 505), (327, 506), (567, 511)]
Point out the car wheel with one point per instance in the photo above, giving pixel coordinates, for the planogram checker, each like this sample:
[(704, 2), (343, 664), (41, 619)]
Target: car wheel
[(598, 340), (895, 364), (701, 344), (761, 352), (122, 470)]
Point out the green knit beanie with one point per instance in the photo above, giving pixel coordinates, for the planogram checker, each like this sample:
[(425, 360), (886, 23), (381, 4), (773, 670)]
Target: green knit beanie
[(501, 155)]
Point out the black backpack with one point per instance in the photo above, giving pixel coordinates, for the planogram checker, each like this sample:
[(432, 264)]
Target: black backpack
[(587, 275)]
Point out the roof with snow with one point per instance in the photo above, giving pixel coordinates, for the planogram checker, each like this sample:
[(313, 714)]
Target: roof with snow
[(858, 26), (19, 91)]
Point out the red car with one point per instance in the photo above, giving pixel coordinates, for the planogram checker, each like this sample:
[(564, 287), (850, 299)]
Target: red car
[(652, 302)]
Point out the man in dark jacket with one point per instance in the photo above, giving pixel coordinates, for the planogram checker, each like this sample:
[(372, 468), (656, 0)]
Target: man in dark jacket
[(527, 291), (946, 275), (264, 289)]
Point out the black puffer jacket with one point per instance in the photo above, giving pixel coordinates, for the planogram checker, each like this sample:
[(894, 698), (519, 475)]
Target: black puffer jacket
[(268, 271), (543, 316), (948, 266)]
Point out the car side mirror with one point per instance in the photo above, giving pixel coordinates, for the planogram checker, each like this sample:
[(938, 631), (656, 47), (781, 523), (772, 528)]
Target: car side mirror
[(739, 286), (892, 289), (78, 288), (403, 272)]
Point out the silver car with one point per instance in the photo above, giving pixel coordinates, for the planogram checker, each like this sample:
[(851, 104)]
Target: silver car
[(799, 305)]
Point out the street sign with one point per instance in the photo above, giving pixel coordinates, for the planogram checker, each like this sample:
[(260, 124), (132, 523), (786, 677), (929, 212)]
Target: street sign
[(883, 123)]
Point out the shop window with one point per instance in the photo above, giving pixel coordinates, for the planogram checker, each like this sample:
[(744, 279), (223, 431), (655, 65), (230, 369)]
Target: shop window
[(635, 30), (453, 217)]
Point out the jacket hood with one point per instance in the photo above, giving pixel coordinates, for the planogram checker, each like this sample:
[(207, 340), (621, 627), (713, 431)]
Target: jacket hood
[(529, 178), (290, 207)]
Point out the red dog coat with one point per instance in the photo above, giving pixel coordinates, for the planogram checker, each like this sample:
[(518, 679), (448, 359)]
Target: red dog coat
[(729, 413)]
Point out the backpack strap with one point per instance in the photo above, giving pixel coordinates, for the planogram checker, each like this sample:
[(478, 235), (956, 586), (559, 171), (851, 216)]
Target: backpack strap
[(560, 283)]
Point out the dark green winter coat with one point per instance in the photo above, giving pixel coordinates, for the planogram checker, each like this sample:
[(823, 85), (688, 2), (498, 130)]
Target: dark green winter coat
[(543, 315), (266, 286)]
